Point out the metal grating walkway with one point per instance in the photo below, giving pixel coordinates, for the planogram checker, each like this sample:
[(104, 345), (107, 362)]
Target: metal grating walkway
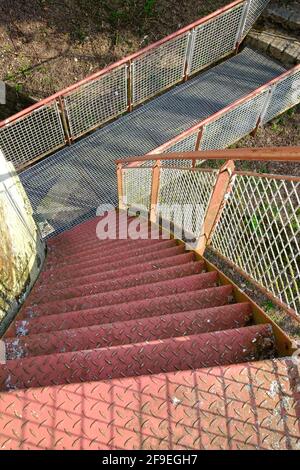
[(67, 187)]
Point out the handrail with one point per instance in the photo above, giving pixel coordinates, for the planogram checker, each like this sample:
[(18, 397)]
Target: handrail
[(117, 64), (275, 154), (200, 125)]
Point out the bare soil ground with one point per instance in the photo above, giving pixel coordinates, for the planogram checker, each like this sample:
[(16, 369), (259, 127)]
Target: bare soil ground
[(47, 45)]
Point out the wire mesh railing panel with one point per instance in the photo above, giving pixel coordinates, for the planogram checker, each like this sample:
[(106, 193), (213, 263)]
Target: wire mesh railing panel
[(256, 8), (184, 196), (159, 69), (234, 124), (32, 136), (286, 94), (215, 39), (187, 144), (259, 231), (137, 187), (97, 102)]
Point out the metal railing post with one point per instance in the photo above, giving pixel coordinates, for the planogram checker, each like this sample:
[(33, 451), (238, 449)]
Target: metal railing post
[(155, 191), (120, 186), (216, 205), (65, 120), (241, 28), (129, 85), (189, 54)]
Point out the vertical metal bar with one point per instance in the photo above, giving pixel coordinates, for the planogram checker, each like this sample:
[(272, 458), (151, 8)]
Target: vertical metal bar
[(120, 186), (242, 25), (266, 104), (189, 54), (129, 85), (155, 191), (264, 110), (199, 137), (65, 120), (216, 205)]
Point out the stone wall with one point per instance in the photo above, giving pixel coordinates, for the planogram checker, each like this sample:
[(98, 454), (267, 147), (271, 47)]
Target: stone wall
[(21, 249)]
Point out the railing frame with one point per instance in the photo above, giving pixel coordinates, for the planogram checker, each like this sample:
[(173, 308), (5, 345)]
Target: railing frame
[(220, 191), (60, 96), (216, 205)]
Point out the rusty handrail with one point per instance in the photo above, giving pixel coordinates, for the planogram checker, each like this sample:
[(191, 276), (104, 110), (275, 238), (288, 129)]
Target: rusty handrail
[(274, 154)]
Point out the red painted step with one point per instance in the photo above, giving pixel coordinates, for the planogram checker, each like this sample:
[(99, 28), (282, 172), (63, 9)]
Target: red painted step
[(45, 287), (174, 303), (134, 331), (191, 352), (76, 248), (87, 231), (149, 277), (186, 283), (101, 255), (93, 267)]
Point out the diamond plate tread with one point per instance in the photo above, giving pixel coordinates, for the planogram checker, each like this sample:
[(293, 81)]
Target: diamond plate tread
[(89, 238), (149, 277), (134, 331), (104, 255), (187, 283), (87, 230), (93, 243), (246, 406), (167, 355), (41, 288), (88, 268), (192, 300)]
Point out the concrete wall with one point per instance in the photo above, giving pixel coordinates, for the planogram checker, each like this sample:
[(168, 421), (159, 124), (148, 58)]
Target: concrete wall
[(21, 249)]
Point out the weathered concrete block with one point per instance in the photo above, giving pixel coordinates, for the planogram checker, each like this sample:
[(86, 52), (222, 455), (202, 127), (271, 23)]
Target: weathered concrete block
[(22, 251), (291, 53), (277, 47)]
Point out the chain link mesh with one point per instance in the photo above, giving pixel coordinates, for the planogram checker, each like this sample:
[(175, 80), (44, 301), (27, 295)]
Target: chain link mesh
[(190, 192), (137, 186), (256, 8), (285, 95), (32, 136), (187, 144), (259, 231), (215, 38), (97, 102), (159, 69), (233, 124)]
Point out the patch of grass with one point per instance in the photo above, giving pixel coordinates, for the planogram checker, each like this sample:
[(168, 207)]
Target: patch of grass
[(149, 7), (268, 306)]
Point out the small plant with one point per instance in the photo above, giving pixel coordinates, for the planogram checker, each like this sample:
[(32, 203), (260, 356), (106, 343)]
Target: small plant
[(149, 7), (268, 306)]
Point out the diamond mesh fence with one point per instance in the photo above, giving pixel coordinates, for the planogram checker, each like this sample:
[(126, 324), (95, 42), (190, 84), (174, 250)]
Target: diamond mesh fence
[(259, 231), (137, 186), (184, 196), (96, 102), (285, 95), (159, 69), (215, 38), (233, 124), (35, 135), (256, 7), (187, 144)]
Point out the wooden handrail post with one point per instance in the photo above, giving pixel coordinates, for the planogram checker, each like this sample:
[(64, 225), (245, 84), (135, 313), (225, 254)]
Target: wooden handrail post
[(216, 205), (120, 186), (155, 191)]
